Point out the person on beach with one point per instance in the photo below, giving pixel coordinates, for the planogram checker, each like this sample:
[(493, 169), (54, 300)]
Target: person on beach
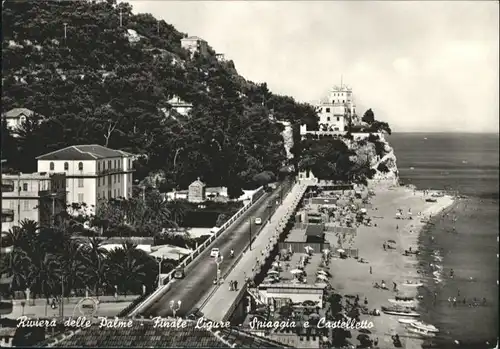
[(235, 285), (370, 270), (452, 273), (484, 301), (384, 246), (454, 301), (395, 287), (365, 301)]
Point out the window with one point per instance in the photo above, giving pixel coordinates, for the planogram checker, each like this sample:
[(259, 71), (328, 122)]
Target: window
[(98, 167), (25, 186), (114, 163), (80, 166), (51, 166), (343, 101), (109, 164), (26, 204), (119, 179), (98, 180), (66, 166), (328, 119), (80, 182), (119, 164), (109, 194), (104, 194), (114, 178), (129, 163), (103, 180), (338, 118), (98, 196), (103, 165), (80, 197), (327, 110), (114, 193)]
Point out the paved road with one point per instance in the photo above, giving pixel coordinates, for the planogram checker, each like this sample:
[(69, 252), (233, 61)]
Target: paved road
[(201, 272)]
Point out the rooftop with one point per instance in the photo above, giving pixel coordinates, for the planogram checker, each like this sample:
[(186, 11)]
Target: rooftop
[(315, 230), (17, 112), (193, 38), (83, 152), (143, 334)]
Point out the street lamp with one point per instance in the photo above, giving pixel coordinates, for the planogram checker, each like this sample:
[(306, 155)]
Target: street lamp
[(250, 232), (159, 270), (218, 261), (175, 306)]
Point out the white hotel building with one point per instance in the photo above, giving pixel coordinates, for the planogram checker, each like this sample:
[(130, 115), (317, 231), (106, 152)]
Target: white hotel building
[(93, 172)]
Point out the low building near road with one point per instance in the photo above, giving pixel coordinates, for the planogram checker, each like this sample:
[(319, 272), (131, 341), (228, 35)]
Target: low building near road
[(196, 191)]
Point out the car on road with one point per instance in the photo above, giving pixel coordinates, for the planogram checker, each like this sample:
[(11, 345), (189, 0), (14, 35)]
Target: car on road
[(258, 221), (215, 252), (179, 273)]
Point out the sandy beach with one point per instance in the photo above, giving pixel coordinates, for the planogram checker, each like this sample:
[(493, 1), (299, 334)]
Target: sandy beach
[(354, 278)]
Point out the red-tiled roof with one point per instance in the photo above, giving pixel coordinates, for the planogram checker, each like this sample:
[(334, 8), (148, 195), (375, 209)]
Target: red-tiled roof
[(83, 152)]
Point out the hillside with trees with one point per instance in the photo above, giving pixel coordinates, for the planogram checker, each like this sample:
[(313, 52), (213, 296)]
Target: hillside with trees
[(75, 64)]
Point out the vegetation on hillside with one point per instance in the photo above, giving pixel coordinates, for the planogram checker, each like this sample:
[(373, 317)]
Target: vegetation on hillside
[(72, 63)]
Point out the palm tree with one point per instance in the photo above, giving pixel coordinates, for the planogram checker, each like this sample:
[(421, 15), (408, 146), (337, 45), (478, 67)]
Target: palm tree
[(126, 268), (94, 260), (72, 266)]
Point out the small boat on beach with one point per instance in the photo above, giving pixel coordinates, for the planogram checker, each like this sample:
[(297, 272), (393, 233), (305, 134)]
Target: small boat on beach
[(404, 301), (406, 321), (408, 313), (413, 284), (424, 326), (420, 331)]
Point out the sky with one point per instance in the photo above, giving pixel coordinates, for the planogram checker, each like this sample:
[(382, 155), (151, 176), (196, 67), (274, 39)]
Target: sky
[(426, 66)]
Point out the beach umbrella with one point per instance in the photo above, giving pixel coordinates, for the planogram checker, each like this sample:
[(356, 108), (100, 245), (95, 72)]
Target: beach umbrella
[(322, 272), (272, 272), (398, 214), (322, 277), (326, 251), (340, 250), (363, 210), (391, 241), (308, 248), (296, 271)]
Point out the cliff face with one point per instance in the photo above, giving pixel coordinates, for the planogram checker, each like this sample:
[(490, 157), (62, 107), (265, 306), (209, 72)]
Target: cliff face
[(287, 135), (376, 152)]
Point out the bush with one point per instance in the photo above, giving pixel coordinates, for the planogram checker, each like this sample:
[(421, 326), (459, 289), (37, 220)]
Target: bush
[(383, 168)]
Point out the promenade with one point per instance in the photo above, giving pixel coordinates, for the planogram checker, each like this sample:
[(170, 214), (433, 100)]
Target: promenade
[(223, 300)]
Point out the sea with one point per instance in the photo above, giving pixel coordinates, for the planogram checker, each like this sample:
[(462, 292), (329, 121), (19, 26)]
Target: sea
[(463, 240)]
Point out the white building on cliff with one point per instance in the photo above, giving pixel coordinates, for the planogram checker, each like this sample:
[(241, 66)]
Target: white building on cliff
[(335, 112)]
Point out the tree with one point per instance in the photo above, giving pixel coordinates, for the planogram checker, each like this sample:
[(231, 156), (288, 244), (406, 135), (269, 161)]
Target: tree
[(368, 117)]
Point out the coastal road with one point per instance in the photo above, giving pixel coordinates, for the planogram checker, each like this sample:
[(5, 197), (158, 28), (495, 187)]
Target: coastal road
[(202, 271)]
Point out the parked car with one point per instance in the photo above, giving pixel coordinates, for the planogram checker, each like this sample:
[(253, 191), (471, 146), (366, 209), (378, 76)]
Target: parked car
[(215, 252), (258, 221), (179, 273)]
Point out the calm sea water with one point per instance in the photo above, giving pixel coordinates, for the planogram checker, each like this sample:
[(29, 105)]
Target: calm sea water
[(465, 236)]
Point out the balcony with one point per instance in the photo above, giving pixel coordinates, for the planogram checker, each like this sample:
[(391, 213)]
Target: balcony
[(108, 171)]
